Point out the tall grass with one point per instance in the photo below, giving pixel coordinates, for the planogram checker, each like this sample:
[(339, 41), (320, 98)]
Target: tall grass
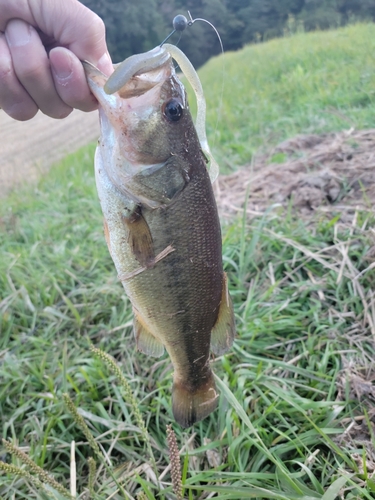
[(288, 417)]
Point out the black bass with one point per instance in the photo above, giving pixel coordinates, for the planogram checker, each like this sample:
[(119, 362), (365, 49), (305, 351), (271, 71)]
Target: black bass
[(161, 223)]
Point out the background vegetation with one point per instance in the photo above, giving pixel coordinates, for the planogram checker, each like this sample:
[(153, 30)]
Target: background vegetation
[(134, 27), (265, 93), (291, 422)]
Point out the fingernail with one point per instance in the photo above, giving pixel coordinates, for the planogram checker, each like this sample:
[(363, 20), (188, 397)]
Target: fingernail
[(105, 64), (63, 67), (17, 33)]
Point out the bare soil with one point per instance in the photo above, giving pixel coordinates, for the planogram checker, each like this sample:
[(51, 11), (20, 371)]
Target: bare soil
[(331, 173)]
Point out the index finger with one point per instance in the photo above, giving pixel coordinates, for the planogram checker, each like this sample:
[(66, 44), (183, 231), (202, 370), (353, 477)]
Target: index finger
[(69, 23)]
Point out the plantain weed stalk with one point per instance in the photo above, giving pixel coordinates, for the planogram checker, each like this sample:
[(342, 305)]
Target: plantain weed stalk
[(79, 420), (115, 369), (42, 479), (175, 462), (92, 472)]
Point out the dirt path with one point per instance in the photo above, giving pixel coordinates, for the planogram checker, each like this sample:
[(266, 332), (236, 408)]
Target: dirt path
[(29, 149)]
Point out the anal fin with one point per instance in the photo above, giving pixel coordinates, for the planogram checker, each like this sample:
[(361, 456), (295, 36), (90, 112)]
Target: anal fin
[(224, 330), (146, 342)]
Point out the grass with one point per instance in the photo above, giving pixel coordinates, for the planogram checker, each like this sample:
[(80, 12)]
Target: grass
[(310, 83), (295, 418)]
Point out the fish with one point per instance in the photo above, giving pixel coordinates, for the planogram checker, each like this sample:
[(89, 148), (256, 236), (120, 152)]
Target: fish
[(161, 223)]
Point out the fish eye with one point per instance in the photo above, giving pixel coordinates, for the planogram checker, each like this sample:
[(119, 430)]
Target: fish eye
[(173, 110)]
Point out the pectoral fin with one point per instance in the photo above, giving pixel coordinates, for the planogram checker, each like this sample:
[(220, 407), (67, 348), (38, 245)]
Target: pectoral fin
[(222, 334), (146, 342), (140, 239)]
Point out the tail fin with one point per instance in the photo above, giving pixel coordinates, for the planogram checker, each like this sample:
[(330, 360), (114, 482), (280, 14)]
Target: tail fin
[(192, 404)]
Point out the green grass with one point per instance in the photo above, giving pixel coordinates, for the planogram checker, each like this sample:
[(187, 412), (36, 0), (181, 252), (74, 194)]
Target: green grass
[(305, 318), (310, 83)]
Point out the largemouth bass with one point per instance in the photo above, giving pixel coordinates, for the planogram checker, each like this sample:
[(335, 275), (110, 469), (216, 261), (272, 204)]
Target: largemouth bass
[(161, 224)]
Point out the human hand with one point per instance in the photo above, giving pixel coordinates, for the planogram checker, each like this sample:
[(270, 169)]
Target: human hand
[(41, 45)]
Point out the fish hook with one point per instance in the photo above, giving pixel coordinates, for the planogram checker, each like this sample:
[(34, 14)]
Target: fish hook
[(180, 23)]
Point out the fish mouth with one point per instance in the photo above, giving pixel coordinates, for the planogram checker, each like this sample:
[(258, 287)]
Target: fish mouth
[(133, 77), (129, 115), (145, 63)]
